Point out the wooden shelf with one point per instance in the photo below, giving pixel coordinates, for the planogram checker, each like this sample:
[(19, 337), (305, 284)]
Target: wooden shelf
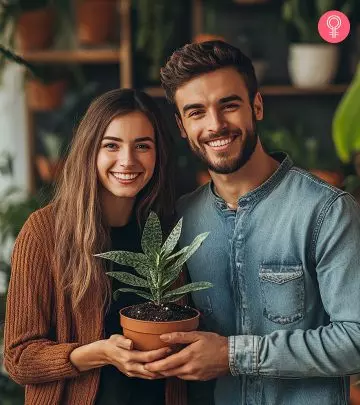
[(283, 90), (96, 56), (288, 90)]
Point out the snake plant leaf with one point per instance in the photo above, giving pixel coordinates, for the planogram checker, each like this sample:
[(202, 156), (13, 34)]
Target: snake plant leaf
[(128, 278), (141, 293), (136, 260), (196, 286), (192, 248), (151, 240), (174, 299), (172, 239)]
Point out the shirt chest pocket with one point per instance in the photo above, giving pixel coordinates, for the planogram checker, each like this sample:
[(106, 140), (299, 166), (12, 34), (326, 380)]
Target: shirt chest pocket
[(282, 290)]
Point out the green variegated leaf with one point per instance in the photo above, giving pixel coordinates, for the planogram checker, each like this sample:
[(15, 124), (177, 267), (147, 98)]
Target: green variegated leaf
[(136, 260), (191, 249), (143, 294), (198, 285), (180, 252), (171, 275), (151, 240), (129, 279), (172, 239), (174, 299)]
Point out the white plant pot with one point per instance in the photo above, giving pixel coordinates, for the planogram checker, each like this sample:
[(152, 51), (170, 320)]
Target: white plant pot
[(313, 65)]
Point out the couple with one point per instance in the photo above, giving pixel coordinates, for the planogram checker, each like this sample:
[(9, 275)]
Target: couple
[(282, 254)]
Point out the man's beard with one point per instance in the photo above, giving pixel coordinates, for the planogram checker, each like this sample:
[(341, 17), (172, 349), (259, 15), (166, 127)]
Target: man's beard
[(227, 165)]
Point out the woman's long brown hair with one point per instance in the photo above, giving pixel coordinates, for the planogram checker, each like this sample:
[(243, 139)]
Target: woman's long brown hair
[(80, 230)]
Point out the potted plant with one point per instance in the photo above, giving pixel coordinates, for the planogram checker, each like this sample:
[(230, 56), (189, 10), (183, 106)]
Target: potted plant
[(95, 21), (312, 62), (30, 23), (157, 270)]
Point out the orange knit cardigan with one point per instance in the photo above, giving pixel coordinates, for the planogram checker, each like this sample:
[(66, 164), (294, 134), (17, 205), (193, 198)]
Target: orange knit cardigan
[(41, 329)]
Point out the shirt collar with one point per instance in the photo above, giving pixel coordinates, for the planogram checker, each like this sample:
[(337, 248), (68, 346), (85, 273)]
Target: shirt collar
[(264, 189)]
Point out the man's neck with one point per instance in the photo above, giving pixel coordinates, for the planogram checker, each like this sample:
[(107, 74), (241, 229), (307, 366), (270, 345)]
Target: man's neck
[(255, 172)]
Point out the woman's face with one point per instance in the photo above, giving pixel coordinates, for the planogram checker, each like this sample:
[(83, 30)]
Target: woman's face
[(127, 155)]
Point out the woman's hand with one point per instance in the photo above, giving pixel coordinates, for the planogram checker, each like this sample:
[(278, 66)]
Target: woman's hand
[(117, 351), (132, 362)]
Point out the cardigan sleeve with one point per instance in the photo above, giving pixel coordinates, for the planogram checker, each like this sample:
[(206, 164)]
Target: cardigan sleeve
[(31, 356)]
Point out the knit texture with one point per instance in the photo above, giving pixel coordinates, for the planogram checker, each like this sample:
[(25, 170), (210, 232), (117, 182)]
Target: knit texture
[(41, 329)]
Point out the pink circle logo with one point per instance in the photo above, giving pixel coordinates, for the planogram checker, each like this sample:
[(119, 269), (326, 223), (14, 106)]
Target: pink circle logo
[(334, 26)]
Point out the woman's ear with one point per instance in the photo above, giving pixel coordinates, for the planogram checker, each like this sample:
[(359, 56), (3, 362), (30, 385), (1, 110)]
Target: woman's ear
[(258, 107), (180, 126)]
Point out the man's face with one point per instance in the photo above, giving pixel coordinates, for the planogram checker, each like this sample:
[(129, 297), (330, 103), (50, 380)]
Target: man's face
[(218, 119)]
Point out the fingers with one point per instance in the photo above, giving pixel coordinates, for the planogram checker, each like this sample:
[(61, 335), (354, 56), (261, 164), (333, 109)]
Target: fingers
[(170, 362), (137, 370), (181, 337), (149, 356), (121, 341)]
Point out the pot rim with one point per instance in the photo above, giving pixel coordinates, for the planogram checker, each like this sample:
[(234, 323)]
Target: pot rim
[(164, 322)]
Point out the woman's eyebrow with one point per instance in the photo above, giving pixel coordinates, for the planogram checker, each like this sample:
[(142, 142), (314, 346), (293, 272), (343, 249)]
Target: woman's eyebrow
[(142, 139)]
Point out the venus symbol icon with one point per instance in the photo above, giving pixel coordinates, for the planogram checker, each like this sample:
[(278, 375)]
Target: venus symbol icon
[(334, 23)]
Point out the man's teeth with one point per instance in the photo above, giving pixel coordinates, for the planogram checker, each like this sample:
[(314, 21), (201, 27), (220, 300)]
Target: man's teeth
[(220, 142), (126, 176)]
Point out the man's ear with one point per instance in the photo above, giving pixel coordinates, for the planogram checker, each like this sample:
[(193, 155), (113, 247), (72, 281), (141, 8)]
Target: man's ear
[(258, 107), (180, 125)]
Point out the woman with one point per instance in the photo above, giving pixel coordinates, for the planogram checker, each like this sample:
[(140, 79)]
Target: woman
[(62, 334)]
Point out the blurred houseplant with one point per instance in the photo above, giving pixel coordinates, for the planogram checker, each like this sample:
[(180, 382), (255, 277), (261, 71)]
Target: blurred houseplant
[(346, 133), (15, 208), (156, 22), (304, 151), (312, 62)]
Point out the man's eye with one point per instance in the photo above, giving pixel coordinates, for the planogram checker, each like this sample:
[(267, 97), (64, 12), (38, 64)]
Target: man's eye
[(231, 106), (196, 113)]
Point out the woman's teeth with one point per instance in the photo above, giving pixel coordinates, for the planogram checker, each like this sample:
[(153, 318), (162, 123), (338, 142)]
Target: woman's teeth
[(126, 176)]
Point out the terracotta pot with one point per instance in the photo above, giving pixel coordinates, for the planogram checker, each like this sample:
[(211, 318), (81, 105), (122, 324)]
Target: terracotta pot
[(95, 21), (203, 37), (354, 395), (45, 96), (48, 170), (35, 29), (334, 178), (146, 334)]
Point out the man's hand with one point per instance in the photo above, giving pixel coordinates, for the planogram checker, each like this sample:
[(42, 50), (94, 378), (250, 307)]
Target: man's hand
[(206, 356)]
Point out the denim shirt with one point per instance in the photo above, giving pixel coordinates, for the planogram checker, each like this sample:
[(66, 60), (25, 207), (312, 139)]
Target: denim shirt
[(286, 272)]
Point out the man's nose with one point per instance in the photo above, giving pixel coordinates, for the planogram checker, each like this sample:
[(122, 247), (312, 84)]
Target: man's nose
[(216, 122)]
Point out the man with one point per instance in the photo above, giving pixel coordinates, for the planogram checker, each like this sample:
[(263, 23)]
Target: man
[(282, 252)]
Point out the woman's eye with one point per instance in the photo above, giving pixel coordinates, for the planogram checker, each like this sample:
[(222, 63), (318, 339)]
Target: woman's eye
[(111, 146), (142, 146)]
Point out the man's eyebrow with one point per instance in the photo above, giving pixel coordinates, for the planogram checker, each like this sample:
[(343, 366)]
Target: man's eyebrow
[(142, 139), (233, 97)]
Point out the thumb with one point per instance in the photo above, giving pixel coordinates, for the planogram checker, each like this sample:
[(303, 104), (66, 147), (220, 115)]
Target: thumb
[(122, 341), (180, 337)]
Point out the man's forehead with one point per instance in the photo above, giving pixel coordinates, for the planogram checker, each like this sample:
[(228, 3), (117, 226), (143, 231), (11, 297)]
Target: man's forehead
[(211, 87)]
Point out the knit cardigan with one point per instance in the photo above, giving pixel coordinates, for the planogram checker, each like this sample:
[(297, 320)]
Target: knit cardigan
[(41, 329)]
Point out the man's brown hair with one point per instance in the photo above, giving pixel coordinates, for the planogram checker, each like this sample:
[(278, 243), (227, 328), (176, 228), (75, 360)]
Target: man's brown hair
[(198, 58)]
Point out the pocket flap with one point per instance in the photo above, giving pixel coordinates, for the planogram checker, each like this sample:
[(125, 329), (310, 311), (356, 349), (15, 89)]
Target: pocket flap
[(280, 274)]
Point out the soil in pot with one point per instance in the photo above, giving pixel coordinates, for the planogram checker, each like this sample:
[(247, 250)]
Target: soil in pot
[(159, 313)]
